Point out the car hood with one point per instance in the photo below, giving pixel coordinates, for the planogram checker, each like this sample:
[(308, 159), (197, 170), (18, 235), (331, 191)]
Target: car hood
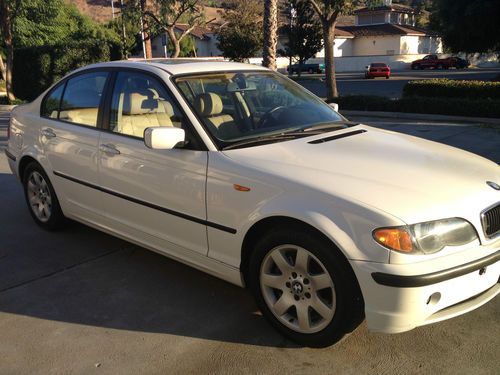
[(408, 177)]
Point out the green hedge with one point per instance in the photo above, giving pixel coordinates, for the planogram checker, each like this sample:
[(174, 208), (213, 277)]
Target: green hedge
[(37, 68), (441, 106), (447, 88)]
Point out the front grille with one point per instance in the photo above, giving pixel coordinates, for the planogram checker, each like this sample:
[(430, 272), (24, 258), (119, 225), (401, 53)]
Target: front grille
[(491, 221)]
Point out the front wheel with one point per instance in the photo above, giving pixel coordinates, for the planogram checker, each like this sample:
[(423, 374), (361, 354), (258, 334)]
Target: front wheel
[(305, 287), (41, 198)]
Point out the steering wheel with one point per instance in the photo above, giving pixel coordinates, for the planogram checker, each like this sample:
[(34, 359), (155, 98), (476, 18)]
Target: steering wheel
[(263, 123)]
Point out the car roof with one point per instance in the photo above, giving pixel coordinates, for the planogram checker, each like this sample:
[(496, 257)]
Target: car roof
[(180, 66)]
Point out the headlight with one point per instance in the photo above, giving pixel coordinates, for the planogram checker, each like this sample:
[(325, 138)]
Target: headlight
[(426, 238)]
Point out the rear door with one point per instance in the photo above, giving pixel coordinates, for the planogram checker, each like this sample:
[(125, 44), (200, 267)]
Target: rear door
[(155, 195), (70, 118)]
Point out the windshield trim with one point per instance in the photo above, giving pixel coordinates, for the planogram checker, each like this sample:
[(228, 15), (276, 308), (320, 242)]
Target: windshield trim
[(219, 143)]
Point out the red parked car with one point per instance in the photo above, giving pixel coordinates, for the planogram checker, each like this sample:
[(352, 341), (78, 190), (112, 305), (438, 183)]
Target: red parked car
[(378, 70)]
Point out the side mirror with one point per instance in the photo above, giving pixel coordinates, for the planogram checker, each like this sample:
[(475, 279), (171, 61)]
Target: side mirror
[(164, 138), (335, 106)]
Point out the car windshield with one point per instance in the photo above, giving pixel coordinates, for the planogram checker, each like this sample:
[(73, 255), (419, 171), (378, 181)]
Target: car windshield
[(242, 105), (378, 65)]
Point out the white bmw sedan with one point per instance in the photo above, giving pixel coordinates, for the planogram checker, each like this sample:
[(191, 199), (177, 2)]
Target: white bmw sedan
[(242, 173)]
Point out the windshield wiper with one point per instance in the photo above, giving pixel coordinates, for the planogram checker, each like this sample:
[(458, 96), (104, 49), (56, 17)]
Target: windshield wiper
[(265, 139), (329, 125)]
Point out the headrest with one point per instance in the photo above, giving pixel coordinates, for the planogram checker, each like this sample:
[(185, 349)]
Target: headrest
[(208, 104), (169, 110), (138, 104)]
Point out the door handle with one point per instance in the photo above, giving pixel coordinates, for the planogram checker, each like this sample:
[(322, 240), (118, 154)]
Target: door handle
[(48, 133), (109, 149)]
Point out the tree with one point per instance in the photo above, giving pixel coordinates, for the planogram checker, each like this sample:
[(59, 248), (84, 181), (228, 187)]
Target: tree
[(167, 14), (467, 26), (270, 33), (9, 10), (304, 32), (240, 36), (328, 12)]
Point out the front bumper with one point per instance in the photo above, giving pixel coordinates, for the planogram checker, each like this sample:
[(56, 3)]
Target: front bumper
[(400, 301)]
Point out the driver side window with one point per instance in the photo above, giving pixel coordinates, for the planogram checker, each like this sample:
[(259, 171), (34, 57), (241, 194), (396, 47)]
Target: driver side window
[(139, 102)]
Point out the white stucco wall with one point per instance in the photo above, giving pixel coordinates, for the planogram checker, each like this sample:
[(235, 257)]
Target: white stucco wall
[(342, 47), (409, 44), (379, 45)]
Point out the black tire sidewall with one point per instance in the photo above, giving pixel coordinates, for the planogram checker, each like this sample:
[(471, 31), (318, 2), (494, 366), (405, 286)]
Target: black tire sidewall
[(349, 306), (57, 219)]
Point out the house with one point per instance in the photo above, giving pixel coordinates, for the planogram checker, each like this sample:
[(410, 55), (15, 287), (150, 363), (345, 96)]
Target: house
[(384, 30), (389, 29), (205, 42)]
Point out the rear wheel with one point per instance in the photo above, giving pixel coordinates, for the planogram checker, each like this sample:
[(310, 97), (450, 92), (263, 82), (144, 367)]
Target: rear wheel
[(41, 198), (305, 288), (439, 66)]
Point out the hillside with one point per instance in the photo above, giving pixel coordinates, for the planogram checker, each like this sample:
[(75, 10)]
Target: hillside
[(101, 11)]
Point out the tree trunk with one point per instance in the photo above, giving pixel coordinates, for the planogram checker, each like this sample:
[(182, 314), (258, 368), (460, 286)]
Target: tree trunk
[(270, 33), (175, 42), (145, 31), (330, 79), (6, 24), (2, 68)]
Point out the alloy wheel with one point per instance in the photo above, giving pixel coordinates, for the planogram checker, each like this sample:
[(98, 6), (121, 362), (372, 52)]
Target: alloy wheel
[(298, 289), (39, 197)]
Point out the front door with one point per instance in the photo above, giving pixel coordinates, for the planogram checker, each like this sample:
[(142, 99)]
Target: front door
[(156, 194)]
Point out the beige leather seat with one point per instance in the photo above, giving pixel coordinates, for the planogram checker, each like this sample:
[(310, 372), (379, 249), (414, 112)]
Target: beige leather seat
[(210, 107), (141, 111)]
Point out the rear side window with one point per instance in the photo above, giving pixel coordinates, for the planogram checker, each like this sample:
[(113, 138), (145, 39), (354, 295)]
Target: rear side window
[(82, 98), (50, 106)]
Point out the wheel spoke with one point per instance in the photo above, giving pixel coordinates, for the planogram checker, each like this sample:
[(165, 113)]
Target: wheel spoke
[(33, 200), (45, 211), (301, 260), (282, 305), (273, 281), (303, 316), (31, 185), (321, 308), (321, 281), (281, 262)]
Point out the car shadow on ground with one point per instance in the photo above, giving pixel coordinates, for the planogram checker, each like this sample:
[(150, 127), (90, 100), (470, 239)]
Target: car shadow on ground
[(83, 276)]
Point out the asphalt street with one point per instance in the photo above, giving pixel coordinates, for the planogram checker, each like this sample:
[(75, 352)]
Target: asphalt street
[(356, 84), (82, 302)]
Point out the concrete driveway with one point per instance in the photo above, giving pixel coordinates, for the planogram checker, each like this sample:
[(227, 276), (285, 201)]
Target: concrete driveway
[(83, 302)]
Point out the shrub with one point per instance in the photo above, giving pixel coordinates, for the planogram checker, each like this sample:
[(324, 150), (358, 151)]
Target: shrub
[(37, 68), (442, 106), (447, 88)]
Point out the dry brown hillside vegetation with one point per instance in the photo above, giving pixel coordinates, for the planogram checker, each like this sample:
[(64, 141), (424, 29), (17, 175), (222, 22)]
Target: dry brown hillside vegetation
[(101, 11)]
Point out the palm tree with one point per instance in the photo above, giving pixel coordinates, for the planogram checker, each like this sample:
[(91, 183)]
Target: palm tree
[(270, 33)]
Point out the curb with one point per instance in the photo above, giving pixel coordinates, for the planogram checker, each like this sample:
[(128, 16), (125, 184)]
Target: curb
[(422, 116)]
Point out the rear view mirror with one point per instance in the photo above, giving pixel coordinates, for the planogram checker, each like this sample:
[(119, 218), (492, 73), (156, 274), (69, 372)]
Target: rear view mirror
[(164, 138), (335, 106), (235, 87)]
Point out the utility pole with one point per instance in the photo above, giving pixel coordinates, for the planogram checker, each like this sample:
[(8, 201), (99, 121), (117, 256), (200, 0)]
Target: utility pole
[(113, 9)]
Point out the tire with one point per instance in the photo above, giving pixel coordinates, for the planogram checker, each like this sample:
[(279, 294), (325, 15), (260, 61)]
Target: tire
[(386, 77), (323, 289), (41, 198), (439, 66), (415, 67), (310, 71)]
